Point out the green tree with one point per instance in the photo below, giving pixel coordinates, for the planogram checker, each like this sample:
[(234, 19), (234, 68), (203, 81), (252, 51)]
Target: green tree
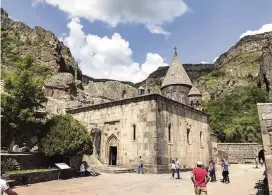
[(22, 98), (64, 135), (234, 118)]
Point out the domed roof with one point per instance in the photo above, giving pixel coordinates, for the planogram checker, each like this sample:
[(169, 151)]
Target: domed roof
[(176, 74), (194, 91)]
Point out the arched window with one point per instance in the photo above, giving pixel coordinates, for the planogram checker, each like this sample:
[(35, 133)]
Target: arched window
[(201, 139), (134, 132), (168, 95), (188, 136), (174, 96), (182, 98), (124, 94), (169, 133)]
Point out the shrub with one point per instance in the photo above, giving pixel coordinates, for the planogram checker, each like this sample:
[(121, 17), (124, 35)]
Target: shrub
[(64, 135), (10, 164)]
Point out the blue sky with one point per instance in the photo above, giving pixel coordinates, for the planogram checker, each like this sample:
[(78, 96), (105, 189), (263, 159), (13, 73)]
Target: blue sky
[(201, 32)]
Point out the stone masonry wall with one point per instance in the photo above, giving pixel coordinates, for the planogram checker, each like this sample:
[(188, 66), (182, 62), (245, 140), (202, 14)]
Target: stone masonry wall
[(116, 123), (240, 152), (173, 122), (265, 117)]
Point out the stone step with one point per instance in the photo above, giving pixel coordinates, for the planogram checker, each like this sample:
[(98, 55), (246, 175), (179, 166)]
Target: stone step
[(116, 170)]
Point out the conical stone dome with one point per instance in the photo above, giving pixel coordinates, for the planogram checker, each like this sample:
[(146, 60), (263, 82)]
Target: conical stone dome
[(194, 91), (176, 74)]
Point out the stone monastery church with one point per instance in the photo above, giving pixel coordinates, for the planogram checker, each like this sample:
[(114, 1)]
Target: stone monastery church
[(157, 127)]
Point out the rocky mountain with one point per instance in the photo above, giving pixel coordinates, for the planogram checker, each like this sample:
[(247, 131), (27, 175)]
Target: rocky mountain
[(249, 62), (64, 76), (18, 39), (246, 63)]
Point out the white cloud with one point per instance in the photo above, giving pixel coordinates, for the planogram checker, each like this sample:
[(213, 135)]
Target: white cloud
[(263, 29), (204, 62), (151, 13), (107, 57), (214, 60)]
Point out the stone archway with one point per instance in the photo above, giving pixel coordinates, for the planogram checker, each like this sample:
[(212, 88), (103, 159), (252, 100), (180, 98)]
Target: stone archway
[(261, 155), (112, 150)]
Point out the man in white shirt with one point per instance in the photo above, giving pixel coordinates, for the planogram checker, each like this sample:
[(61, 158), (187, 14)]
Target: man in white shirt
[(5, 188), (177, 168)]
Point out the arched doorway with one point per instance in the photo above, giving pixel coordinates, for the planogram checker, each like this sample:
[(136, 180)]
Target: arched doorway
[(261, 155), (112, 149)]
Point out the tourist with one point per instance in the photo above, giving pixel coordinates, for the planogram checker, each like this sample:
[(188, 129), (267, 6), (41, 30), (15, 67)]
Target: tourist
[(141, 166), (173, 168), (256, 161), (212, 170), (177, 168), (82, 169), (200, 179), (225, 172), (86, 170), (261, 162), (5, 188)]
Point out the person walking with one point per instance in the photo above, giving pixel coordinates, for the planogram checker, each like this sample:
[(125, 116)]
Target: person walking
[(261, 162), (200, 178), (256, 162), (5, 188), (177, 168), (212, 170), (173, 169), (141, 166), (225, 172)]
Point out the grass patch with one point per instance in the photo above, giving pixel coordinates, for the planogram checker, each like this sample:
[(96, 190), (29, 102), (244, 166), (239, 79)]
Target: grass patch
[(29, 171)]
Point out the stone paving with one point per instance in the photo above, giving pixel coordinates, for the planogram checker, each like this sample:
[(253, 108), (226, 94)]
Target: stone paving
[(242, 177)]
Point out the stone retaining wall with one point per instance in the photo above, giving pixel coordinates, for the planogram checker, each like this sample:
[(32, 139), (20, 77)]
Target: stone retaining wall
[(37, 177), (239, 152), (29, 160)]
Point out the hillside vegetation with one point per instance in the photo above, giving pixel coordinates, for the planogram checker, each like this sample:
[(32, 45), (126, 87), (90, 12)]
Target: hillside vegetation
[(234, 117)]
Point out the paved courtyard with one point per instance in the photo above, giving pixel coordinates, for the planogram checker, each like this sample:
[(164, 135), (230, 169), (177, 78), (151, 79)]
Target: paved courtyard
[(243, 179)]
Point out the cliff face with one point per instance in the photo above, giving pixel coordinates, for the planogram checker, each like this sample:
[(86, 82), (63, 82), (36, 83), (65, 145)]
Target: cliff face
[(18, 39), (265, 76), (242, 65)]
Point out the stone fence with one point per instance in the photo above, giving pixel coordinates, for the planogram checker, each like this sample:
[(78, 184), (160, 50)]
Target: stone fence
[(239, 152), (28, 161)]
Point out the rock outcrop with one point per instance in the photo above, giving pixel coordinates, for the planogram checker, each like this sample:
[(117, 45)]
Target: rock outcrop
[(18, 39), (266, 69), (240, 66)]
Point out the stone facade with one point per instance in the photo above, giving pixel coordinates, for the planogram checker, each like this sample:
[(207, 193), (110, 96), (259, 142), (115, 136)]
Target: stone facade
[(152, 126), (265, 116), (239, 152)]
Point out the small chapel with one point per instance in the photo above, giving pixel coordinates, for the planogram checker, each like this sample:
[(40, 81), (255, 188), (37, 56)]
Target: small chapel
[(157, 127)]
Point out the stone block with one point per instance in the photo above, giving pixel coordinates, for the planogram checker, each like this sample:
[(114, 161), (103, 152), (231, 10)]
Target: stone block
[(150, 123)]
